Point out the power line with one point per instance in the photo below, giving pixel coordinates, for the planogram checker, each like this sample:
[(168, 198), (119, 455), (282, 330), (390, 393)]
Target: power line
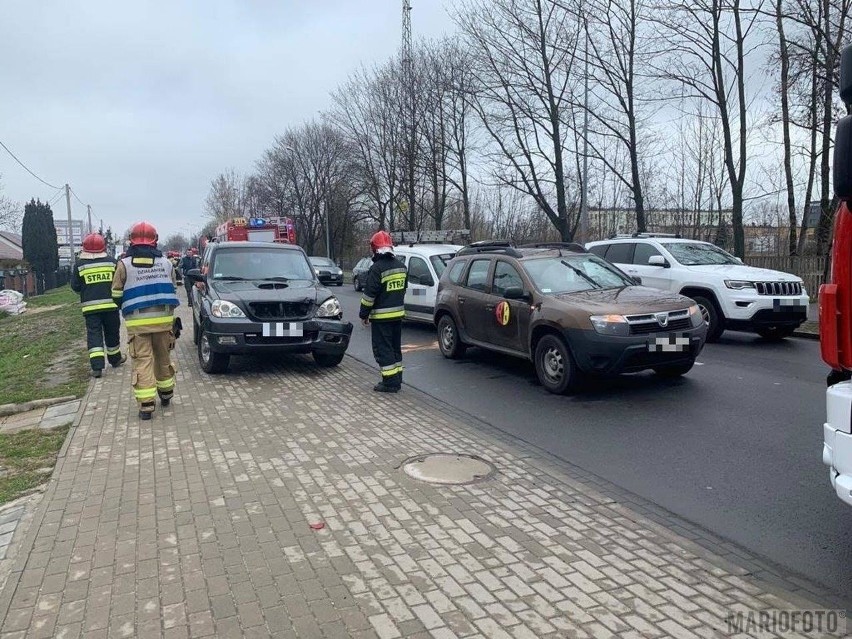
[(77, 198), (53, 186)]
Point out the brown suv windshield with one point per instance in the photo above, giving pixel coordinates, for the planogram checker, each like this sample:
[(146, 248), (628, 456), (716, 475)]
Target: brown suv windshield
[(573, 274)]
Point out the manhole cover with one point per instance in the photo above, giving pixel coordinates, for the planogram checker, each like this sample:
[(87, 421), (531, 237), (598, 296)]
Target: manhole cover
[(447, 468)]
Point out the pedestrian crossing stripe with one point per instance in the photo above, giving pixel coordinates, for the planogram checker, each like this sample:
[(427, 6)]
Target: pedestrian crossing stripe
[(283, 329)]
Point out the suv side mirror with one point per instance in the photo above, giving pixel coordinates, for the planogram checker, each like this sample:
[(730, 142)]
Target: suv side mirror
[(658, 260), (515, 293), (194, 275)]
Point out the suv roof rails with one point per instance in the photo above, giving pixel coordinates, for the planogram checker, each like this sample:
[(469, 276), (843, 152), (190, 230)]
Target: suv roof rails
[(627, 236), (491, 246), (571, 246)]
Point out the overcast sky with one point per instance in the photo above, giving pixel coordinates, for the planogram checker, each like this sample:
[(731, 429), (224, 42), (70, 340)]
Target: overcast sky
[(138, 105)]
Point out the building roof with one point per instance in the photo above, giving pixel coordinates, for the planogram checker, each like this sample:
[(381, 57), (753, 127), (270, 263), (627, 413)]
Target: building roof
[(11, 246)]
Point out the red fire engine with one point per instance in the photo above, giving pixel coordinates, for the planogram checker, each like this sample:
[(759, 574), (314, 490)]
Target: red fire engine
[(257, 229), (835, 307)]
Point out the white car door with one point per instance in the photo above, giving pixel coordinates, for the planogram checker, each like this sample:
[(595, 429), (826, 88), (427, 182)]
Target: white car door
[(653, 276), (422, 290)]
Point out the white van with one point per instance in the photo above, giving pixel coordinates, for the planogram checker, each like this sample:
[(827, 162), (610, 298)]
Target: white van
[(425, 264)]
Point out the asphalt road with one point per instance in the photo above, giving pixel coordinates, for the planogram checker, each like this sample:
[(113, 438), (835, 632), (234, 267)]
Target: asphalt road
[(735, 446)]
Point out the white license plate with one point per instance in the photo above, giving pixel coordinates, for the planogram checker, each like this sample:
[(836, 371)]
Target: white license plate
[(791, 304), (283, 329)]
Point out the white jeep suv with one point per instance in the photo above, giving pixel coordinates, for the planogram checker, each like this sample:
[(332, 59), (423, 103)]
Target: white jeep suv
[(731, 295)]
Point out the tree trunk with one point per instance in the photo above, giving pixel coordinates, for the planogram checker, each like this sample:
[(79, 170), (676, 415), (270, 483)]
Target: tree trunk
[(785, 122)]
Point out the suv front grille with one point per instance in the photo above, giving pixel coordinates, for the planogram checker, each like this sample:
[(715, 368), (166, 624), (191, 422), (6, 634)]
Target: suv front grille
[(778, 288), (650, 323), (280, 311)]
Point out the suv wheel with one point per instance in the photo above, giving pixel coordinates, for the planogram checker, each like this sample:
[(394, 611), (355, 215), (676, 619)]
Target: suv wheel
[(711, 316), (448, 338), (775, 333), (356, 283), (196, 331), (327, 360), (211, 362), (674, 370), (554, 365)]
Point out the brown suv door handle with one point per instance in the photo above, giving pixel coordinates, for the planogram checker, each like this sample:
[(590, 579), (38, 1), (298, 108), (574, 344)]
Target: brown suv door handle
[(489, 307), (461, 300)]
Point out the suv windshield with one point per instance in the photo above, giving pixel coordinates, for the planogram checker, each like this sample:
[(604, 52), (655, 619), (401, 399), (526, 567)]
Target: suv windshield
[(573, 274), (439, 262), (690, 254), (260, 264), (322, 261)]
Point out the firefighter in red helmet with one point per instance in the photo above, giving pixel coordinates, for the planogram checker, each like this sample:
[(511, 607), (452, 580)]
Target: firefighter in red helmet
[(382, 307), (91, 277), (144, 286)]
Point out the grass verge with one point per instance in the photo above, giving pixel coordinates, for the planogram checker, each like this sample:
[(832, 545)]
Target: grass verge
[(43, 354), (27, 458)]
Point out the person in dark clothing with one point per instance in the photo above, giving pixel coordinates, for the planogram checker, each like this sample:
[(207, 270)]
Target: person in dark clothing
[(92, 279), (187, 263), (382, 308)]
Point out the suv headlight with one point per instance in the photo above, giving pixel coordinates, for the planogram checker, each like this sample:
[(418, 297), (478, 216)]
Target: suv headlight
[(695, 316), (611, 325), (739, 285), (224, 308), (329, 308)]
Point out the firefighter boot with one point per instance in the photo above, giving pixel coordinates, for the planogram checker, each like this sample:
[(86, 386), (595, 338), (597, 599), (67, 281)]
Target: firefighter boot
[(381, 387), (146, 410)]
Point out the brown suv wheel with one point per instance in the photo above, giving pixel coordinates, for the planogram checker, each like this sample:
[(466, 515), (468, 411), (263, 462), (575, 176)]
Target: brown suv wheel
[(554, 365)]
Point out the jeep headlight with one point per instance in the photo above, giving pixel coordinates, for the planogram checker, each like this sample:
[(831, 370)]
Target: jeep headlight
[(739, 285), (329, 308), (611, 325), (695, 316), (224, 308)]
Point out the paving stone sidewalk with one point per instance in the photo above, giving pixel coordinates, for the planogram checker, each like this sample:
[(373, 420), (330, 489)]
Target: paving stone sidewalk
[(198, 523)]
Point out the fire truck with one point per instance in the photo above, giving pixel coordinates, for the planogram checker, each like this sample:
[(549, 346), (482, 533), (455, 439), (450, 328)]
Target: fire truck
[(835, 307), (257, 229)]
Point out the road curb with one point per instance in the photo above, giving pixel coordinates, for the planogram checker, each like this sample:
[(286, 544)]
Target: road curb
[(806, 335)]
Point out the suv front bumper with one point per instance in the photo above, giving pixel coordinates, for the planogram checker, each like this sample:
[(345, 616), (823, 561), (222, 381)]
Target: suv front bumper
[(747, 310), (244, 337), (606, 355)]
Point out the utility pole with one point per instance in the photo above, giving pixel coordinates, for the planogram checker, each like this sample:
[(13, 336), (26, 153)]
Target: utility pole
[(584, 193), (327, 230), (70, 224), (89, 208), (408, 91)]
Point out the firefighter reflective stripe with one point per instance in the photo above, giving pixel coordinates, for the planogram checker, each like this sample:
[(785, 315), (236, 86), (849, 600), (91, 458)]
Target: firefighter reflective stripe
[(393, 273), (391, 370), (145, 393), (114, 351), (166, 384), (368, 301), (117, 293), (96, 275), (134, 321), (99, 305), (143, 262), (393, 312), (95, 266), (96, 352)]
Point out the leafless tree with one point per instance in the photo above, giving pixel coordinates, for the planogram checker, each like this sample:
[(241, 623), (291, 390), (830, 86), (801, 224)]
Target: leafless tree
[(708, 42), (523, 54), (10, 213), (225, 199)]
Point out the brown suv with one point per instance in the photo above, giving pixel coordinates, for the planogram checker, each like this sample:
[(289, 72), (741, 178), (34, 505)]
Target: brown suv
[(567, 310)]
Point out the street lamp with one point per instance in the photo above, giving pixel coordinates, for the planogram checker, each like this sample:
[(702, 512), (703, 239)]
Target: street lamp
[(325, 213)]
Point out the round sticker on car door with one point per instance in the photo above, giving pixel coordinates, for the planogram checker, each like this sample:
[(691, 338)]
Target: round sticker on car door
[(503, 313)]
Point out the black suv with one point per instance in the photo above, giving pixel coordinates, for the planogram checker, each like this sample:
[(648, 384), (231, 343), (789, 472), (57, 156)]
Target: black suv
[(570, 312), (260, 297)]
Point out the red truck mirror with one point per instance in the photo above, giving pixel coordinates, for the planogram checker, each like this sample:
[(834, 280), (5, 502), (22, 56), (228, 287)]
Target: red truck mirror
[(843, 135)]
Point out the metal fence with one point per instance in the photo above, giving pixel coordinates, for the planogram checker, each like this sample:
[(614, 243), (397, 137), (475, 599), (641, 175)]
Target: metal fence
[(810, 269)]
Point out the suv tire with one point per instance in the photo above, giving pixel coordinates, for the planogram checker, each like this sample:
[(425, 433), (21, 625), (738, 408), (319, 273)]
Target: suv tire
[(326, 360), (196, 331), (714, 319), (356, 283), (775, 333), (554, 365), (674, 370), (448, 338), (211, 362)]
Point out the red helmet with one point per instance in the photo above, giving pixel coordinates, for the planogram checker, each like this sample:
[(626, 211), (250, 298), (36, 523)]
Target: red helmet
[(144, 234), (380, 240), (94, 243)]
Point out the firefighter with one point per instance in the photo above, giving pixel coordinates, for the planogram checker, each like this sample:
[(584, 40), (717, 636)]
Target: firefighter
[(92, 279), (145, 288), (382, 308)]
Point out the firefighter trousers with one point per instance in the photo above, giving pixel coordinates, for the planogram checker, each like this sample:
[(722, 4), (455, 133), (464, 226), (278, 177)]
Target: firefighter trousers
[(153, 370), (102, 329), (387, 349)]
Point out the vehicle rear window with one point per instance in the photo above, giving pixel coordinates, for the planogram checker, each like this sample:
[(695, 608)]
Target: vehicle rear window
[(643, 252), (477, 276), (260, 264), (439, 262), (600, 249), (620, 253)]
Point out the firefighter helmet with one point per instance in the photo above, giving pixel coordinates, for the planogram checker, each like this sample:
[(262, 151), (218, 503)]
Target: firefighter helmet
[(94, 243), (381, 240), (143, 234)]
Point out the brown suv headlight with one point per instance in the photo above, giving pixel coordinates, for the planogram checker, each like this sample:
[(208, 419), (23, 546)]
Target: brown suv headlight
[(615, 325), (695, 316)]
